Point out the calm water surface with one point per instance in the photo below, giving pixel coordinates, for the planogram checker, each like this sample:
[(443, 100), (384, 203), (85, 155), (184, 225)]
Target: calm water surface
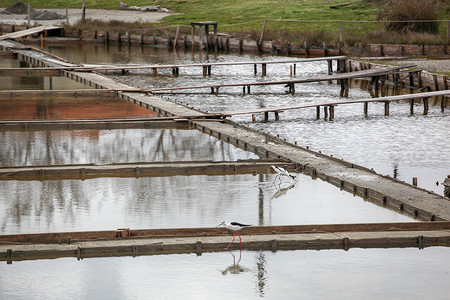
[(179, 201), (303, 274), (400, 145), (31, 148)]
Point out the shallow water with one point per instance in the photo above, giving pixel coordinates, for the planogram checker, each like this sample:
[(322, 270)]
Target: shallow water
[(177, 202), (406, 273), (57, 108), (400, 145), (31, 148), (34, 82)]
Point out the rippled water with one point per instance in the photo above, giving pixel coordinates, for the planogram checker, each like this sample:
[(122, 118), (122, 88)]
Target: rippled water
[(326, 274), (399, 145), (178, 201), (31, 148)]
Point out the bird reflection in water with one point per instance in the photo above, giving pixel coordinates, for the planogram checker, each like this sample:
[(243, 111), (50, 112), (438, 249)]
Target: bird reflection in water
[(235, 268), (282, 191)]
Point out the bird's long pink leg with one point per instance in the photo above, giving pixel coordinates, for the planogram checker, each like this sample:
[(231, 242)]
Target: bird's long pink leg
[(239, 239), (232, 240)]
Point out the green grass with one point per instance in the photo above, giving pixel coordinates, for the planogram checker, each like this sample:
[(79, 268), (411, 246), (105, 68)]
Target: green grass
[(231, 13)]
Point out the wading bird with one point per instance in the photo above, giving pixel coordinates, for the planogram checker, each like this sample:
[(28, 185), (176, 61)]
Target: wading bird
[(282, 172), (234, 226)]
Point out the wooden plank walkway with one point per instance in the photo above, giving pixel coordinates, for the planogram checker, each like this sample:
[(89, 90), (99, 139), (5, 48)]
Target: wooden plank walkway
[(141, 169), (97, 124), (341, 76), (22, 33), (124, 241), (175, 67), (330, 104), (360, 181)]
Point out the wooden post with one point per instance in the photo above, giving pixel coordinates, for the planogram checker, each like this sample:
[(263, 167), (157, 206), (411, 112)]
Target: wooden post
[(200, 38), (42, 41), (253, 118), (325, 51), (295, 69), (262, 36), (444, 79), (366, 108), (425, 105), (264, 69), (208, 44), (215, 37), (277, 115), (330, 67), (414, 180), (386, 108), (331, 109), (176, 37), (325, 112), (67, 16), (248, 89), (205, 70), (193, 36), (83, 11), (317, 112), (411, 106), (256, 69), (266, 116), (411, 79), (448, 34), (29, 15)]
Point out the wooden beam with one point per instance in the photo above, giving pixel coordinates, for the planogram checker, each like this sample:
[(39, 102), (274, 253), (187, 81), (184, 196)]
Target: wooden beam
[(141, 169), (340, 76)]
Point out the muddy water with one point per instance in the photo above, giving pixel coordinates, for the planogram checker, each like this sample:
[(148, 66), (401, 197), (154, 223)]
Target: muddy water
[(400, 145), (57, 108), (308, 274), (179, 201), (34, 148)]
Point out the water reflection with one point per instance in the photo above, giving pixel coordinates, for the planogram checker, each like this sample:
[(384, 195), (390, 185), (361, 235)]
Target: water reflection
[(53, 108), (26, 148), (400, 145), (403, 273), (177, 202), (282, 191), (235, 268)]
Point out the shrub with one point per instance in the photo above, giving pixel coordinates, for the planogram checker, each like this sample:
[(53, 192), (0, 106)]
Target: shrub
[(401, 11)]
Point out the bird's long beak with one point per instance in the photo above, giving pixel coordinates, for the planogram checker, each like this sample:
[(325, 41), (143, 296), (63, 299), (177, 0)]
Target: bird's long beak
[(220, 224)]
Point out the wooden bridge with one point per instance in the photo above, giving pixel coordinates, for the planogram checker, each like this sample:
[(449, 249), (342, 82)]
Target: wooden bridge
[(22, 33), (206, 67)]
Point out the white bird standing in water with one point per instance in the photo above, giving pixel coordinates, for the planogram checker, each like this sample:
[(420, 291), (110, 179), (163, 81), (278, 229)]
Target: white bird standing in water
[(282, 172), (234, 226)]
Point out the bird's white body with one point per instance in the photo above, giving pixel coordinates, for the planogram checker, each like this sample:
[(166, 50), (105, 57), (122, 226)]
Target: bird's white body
[(234, 226), (282, 172)]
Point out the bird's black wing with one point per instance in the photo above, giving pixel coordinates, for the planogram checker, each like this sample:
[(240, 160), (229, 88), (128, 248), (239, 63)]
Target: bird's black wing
[(239, 224)]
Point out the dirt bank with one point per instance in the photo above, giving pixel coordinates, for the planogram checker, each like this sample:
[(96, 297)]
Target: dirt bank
[(97, 14)]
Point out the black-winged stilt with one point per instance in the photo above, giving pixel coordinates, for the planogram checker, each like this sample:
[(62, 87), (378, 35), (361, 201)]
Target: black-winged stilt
[(234, 226), (282, 172)]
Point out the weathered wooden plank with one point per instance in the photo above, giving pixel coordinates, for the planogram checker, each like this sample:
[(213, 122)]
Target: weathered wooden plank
[(30, 31), (140, 169), (68, 237), (97, 124), (340, 76)]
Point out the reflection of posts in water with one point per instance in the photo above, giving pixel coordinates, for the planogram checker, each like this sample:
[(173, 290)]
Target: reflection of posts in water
[(261, 275), (235, 268)]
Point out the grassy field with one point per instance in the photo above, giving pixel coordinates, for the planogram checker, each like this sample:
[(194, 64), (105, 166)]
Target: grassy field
[(246, 17)]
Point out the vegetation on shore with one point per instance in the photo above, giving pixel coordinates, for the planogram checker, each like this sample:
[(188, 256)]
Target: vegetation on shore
[(310, 21)]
